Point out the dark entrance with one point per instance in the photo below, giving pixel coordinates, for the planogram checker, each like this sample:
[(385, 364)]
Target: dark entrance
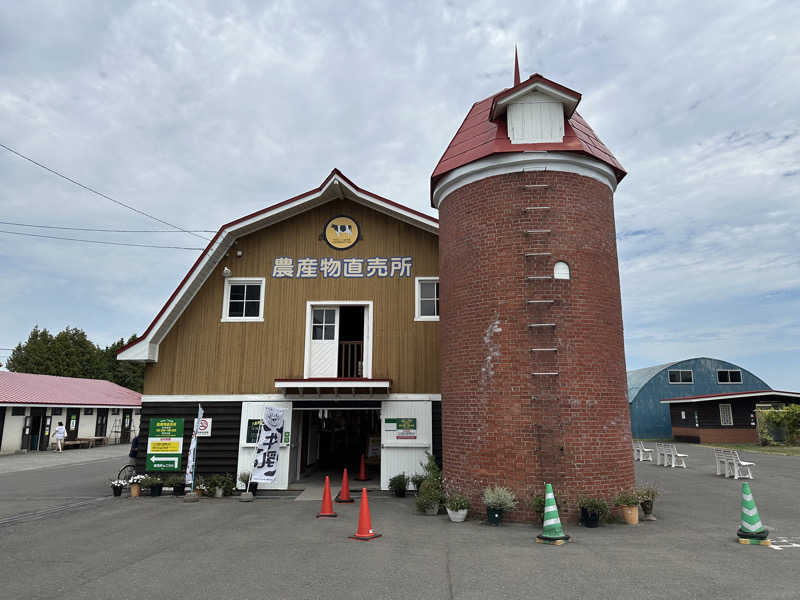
[(73, 420), (35, 429), (125, 430), (333, 439), (102, 422), (351, 341), (2, 423)]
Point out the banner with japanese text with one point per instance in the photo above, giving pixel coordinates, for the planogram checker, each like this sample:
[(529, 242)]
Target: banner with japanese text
[(270, 435)]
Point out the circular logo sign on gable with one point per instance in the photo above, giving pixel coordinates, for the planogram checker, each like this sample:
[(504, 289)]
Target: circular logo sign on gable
[(341, 232)]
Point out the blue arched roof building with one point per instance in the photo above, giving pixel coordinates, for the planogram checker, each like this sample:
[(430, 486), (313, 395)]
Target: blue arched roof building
[(681, 379)]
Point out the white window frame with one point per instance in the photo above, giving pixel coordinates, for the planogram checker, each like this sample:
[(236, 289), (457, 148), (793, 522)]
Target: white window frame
[(561, 270), (729, 371), (680, 382), (417, 315), (227, 296), (730, 413), (368, 327)]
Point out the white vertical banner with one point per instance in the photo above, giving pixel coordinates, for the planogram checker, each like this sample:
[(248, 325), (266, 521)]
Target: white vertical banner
[(270, 434), (191, 459)]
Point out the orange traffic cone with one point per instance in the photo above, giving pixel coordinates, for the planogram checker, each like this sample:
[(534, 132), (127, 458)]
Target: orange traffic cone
[(362, 472), (364, 532), (344, 493), (327, 505)]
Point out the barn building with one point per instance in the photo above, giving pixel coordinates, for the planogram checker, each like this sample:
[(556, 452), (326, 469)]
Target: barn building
[(94, 411), (693, 377), (494, 335)]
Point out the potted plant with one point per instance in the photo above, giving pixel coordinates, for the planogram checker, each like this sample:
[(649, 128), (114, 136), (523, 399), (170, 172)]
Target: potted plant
[(178, 484), (116, 486), (628, 500), (398, 485), (647, 494), (154, 483), (429, 496), (457, 506), (135, 484), (592, 510), (498, 500), (416, 481), (537, 504), (221, 484)]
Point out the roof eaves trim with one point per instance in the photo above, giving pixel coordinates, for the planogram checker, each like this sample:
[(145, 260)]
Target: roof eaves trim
[(731, 396), (515, 162), (146, 347)]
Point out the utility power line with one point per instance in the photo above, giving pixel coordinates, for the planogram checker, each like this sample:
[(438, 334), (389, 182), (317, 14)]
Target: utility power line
[(53, 237), (101, 194), (103, 230)]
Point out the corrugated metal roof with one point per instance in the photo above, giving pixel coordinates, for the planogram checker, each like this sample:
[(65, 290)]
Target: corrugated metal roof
[(638, 378), (26, 388), (479, 137)]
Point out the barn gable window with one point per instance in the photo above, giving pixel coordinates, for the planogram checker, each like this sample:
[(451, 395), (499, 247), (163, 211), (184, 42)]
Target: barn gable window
[(729, 376), (561, 270), (680, 376), (244, 299), (427, 299)]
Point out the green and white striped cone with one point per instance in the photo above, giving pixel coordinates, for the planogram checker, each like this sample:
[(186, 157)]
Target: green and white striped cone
[(751, 523), (551, 524)]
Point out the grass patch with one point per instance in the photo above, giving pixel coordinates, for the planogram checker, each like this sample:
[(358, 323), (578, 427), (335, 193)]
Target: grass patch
[(781, 450)]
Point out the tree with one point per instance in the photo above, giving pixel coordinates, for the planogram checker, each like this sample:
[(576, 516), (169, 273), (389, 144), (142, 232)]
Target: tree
[(70, 353)]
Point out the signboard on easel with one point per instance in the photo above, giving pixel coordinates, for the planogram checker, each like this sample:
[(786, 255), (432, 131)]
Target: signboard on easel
[(164, 445)]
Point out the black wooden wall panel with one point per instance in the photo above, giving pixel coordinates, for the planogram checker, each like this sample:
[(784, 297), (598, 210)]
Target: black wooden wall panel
[(216, 454)]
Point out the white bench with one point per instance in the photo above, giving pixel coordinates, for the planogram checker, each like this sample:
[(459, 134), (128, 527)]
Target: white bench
[(670, 455), (734, 466), (641, 453)]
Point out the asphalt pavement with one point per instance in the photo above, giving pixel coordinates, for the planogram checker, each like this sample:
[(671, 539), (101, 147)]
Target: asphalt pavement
[(276, 548)]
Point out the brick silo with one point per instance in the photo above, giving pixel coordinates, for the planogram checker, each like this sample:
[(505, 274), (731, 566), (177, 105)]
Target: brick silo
[(532, 356)]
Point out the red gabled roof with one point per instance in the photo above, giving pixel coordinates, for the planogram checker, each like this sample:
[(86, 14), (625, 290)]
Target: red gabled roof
[(334, 173), (479, 136), (26, 388)]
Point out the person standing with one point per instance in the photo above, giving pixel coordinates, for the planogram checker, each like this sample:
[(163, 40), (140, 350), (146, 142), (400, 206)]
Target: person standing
[(60, 433)]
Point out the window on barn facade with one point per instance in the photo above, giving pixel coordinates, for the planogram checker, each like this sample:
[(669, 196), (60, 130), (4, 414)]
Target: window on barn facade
[(17, 411), (729, 376), (427, 299), (680, 376), (561, 270), (323, 324), (56, 411), (244, 299), (725, 414), (88, 411)]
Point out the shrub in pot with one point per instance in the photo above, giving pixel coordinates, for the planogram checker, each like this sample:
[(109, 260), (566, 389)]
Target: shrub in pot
[(416, 481), (220, 485), (154, 483), (647, 494), (429, 496), (177, 483), (398, 485), (628, 500), (457, 506), (592, 510), (498, 500)]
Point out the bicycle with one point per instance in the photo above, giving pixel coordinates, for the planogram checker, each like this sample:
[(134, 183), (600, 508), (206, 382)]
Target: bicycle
[(126, 472)]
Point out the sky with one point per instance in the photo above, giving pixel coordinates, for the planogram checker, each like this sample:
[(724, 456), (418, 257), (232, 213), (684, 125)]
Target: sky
[(201, 112)]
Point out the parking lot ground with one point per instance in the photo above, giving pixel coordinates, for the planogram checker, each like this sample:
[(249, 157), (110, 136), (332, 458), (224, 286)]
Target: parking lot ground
[(154, 547)]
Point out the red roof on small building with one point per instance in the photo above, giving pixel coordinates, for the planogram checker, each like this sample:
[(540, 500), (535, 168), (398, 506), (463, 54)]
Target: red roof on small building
[(26, 388), (479, 136)]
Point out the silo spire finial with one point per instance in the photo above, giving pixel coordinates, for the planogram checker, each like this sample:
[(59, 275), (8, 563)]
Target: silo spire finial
[(516, 66)]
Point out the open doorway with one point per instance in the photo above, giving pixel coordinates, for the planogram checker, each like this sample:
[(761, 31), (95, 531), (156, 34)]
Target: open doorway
[(351, 342), (335, 439), (338, 340)]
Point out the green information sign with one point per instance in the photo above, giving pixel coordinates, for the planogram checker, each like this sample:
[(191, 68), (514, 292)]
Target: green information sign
[(253, 425), (164, 445)]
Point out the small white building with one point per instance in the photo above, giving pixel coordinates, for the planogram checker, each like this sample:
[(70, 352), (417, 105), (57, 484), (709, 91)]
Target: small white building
[(92, 410)]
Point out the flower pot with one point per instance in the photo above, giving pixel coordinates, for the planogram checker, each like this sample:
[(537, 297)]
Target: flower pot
[(457, 516), (647, 510), (155, 489), (136, 490), (630, 514), (590, 519), (433, 510), (246, 497), (218, 492), (494, 516), (117, 489), (179, 489)]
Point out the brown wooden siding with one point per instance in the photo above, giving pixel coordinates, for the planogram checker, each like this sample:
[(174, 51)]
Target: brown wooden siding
[(202, 355)]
